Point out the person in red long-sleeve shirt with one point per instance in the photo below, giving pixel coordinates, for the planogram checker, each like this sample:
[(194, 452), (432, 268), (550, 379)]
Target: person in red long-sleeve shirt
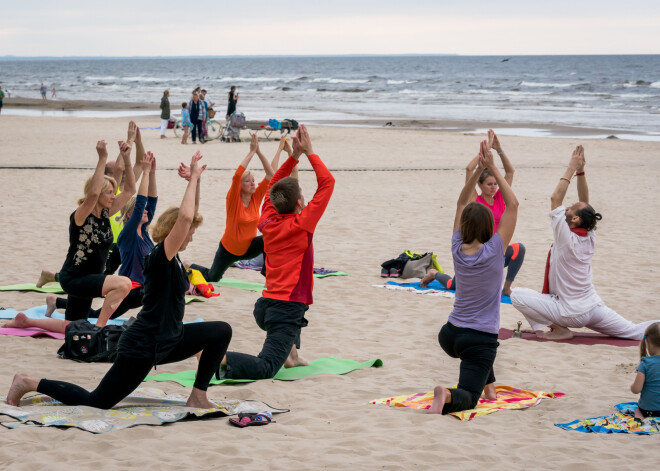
[(287, 225)]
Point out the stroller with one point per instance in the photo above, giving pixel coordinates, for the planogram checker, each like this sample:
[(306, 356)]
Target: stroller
[(232, 131)]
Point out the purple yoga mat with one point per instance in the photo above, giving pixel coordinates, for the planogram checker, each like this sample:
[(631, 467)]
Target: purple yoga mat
[(579, 338), (30, 332)]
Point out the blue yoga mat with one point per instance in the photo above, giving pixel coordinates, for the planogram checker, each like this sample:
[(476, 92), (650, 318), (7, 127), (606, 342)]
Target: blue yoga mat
[(435, 285), (39, 312)]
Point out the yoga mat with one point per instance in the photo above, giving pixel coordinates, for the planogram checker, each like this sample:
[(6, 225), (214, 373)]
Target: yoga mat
[(318, 272), (146, 406), (39, 312), (508, 398), (622, 421), (433, 288), (30, 332), (238, 284), (579, 338), (55, 288), (327, 365)]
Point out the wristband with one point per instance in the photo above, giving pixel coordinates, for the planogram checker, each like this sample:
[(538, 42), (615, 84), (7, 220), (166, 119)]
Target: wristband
[(501, 152), (579, 174), (563, 178)]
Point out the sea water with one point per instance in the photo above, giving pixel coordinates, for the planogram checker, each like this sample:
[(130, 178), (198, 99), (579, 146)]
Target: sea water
[(602, 92)]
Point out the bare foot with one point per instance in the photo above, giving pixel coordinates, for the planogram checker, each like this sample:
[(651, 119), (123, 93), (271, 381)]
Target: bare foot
[(20, 386), (506, 292), (199, 400), (638, 414), (441, 396), (294, 360), (556, 333), (429, 277), (18, 322), (50, 305), (45, 277), (489, 392)]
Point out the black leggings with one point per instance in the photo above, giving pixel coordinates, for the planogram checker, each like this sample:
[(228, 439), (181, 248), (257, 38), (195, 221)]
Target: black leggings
[(126, 374), (477, 351), (132, 301), (513, 258), (224, 259)]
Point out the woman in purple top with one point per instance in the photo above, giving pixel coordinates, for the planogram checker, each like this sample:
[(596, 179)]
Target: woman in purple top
[(471, 330)]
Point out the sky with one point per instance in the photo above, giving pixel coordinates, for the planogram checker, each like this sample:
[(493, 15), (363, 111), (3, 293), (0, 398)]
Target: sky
[(294, 27)]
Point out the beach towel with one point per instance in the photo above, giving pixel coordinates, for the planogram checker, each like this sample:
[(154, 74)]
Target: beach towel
[(318, 272), (579, 338), (327, 365), (39, 312), (507, 398), (30, 332), (434, 288), (55, 288), (146, 406), (622, 421)]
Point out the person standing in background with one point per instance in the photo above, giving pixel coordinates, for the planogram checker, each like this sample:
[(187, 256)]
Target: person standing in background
[(2, 97), (197, 113), (164, 113), (53, 93), (232, 98), (43, 90)]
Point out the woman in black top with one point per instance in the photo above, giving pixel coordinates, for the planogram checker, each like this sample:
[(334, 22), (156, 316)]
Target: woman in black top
[(159, 335), (232, 98), (90, 237)]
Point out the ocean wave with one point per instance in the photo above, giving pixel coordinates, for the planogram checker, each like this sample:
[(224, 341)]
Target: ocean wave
[(400, 82), (269, 88), (336, 80), (549, 85), (258, 79), (100, 77), (655, 85), (147, 79)]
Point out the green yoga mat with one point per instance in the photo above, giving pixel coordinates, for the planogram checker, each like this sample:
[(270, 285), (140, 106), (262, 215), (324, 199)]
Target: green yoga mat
[(259, 287), (327, 365), (55, 288)]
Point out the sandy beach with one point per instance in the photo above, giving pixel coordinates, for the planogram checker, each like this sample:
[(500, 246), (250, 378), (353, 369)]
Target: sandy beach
[(395, 189)]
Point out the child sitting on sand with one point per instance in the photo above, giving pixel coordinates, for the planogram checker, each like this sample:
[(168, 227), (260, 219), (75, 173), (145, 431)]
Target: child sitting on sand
[(647, 382)]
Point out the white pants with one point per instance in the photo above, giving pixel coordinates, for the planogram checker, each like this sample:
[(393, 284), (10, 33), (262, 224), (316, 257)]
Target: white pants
[(542, 310), (163, 126)]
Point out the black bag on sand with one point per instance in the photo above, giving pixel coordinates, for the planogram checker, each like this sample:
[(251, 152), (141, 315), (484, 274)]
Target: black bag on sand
[(86, 342)]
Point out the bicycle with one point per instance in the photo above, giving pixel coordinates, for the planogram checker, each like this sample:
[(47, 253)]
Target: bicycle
[(214, 128)]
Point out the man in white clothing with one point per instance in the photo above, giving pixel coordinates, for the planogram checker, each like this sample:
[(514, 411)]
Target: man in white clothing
[(569, 298)]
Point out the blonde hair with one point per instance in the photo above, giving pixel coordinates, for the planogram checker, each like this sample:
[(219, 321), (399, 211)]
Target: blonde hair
[(126, 211), (166, 222), (107, 182), (245, 175), (652, 336)]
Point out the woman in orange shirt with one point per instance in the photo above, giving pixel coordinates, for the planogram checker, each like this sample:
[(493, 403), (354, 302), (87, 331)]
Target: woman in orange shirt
[(240, 240)]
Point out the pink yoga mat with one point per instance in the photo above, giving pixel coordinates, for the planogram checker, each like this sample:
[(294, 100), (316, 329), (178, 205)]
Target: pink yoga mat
[(30, 332), (579, 338)]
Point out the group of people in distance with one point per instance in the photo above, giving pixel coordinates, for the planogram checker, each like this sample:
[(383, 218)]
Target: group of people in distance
[(153, 273)]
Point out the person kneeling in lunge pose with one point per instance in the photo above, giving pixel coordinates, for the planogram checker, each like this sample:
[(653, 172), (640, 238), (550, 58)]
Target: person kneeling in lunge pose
[(287, 226), (471, 330), (569, 298), (158, 336)]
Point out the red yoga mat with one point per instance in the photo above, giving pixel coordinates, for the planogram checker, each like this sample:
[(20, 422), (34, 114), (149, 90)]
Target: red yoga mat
[(579, 338), (30, 332)]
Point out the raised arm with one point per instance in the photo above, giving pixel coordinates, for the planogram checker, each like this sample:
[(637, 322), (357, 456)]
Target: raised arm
[(179, 232), (145, 182), (285, 145), (184, 172), (311, 214), (466, 195), (494, 143), (139, 151), (510, 216), (94, 192), (473, 167), (557, 197), (253, 150), (129, 179), (264, 161), (153, 189), (582, 187)]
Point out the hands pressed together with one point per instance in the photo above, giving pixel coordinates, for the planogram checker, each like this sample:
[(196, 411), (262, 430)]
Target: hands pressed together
[(186, 171)]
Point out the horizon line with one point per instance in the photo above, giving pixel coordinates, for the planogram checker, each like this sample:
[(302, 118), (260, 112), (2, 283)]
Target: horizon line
[(240, 56)]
